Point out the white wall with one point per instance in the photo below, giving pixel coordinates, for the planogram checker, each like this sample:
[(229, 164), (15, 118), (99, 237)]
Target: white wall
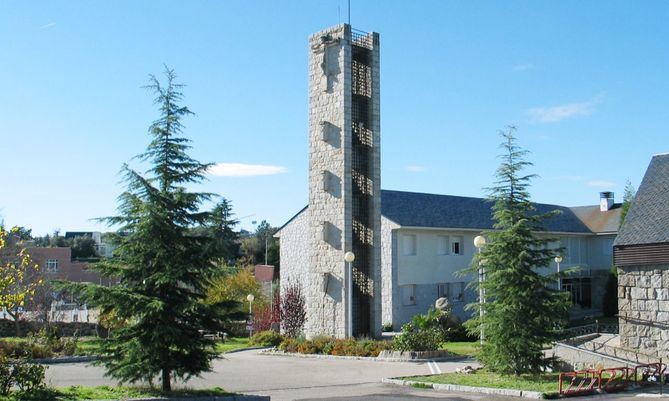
[(428, 265)]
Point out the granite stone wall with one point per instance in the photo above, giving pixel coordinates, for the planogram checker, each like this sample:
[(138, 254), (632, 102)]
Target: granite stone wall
[(643, 304), (294, 251)]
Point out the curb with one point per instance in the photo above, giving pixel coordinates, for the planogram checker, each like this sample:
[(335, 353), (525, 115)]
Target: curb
[(65, 359), (362, 358), (244, 349), (466, 389), (209, 398)]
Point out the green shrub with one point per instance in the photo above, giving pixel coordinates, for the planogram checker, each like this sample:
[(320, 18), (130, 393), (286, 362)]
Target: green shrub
[(415, 339), (28, 377), (266, 338), (331, 346), (387, 327), (6, 378), (12, 349), (290, 344), (459, 333)]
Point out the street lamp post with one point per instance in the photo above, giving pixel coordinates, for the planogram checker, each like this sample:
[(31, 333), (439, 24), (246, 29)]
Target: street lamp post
[(250, 298), (349, 257), (479, 243), (558, 260)]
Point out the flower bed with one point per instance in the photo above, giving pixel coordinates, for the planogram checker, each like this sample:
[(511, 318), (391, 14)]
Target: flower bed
[(332, 346)]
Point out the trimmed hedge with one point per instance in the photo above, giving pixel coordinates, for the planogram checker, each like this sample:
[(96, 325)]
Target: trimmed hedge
[(8, 329)]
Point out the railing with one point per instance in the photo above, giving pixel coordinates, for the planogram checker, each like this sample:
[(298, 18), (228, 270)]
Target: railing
[(362, 39), (651, 373), (579, 382), (614, 379), (594, 328)]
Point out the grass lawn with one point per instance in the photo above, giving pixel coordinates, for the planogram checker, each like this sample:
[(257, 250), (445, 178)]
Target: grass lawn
[(464, 348), (545, 383), (91, 345), (232, 343), (76, 393), (88, 346)]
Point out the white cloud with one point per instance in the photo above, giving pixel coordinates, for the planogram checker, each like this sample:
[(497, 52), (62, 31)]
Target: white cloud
[(554, 114), (47, 26), (244, 170), (600, 184), (522, 67), (415, 169)]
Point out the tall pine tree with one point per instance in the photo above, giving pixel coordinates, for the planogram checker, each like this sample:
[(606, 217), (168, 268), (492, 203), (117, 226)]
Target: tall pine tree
[(164, 266), (522, 307)]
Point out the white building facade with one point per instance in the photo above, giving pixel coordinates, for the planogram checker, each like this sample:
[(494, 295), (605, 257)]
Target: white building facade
[(427, 240)]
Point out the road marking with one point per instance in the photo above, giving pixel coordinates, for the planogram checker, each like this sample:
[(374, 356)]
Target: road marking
[(434, 368)]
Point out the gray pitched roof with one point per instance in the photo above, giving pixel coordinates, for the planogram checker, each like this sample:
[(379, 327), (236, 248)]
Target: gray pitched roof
[(647, 221), (411, 209)]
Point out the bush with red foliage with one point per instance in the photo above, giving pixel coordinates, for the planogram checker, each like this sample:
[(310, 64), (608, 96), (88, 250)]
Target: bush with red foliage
[(267, 317), (293, 310)]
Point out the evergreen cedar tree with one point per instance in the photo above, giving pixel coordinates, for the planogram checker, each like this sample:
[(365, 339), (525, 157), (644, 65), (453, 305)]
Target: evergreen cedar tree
[(165, 263), (522, 308)]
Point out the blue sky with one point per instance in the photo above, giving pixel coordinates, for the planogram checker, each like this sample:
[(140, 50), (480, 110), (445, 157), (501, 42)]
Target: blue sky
[(585, 83)]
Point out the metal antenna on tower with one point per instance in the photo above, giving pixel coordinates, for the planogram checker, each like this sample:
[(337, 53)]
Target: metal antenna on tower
[(349, 12)]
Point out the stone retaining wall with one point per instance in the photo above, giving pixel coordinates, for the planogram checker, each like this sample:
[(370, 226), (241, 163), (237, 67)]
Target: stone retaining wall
[(643, 303)]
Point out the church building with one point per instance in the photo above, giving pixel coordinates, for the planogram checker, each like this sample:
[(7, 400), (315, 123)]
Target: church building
[(367, 257)]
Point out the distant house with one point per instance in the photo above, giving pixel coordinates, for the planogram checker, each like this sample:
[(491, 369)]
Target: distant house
[(641, 253), (426, 239), (56, 264)]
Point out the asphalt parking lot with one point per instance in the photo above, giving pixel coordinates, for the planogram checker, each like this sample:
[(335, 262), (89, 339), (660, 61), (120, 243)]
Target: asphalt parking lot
[(290, 378)]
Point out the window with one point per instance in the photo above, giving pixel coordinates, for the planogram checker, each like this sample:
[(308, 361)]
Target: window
[(443, 245), (409, 245), (409, 295), (455, 292), (580, 289), (52, 265), (456, 246)]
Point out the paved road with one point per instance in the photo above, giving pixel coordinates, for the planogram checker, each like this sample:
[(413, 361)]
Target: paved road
[(289, 378)]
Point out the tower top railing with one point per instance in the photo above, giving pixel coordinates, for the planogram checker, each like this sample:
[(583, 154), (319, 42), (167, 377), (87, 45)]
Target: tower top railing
[(362, 39)]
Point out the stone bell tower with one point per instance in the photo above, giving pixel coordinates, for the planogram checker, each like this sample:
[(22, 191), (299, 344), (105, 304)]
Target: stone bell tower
[(344, 182)]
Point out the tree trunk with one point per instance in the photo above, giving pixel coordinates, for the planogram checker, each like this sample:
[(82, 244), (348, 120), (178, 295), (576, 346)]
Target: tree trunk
[(166, 385), (17, 326)]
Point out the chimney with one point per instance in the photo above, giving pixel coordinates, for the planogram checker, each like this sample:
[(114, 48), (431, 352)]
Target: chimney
[(605, 201)]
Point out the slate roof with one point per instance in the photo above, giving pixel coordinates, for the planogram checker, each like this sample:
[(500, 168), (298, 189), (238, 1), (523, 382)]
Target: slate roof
[(411, 209), (647, 221)]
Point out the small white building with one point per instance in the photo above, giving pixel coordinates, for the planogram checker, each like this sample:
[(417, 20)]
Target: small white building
[(426, 239)]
